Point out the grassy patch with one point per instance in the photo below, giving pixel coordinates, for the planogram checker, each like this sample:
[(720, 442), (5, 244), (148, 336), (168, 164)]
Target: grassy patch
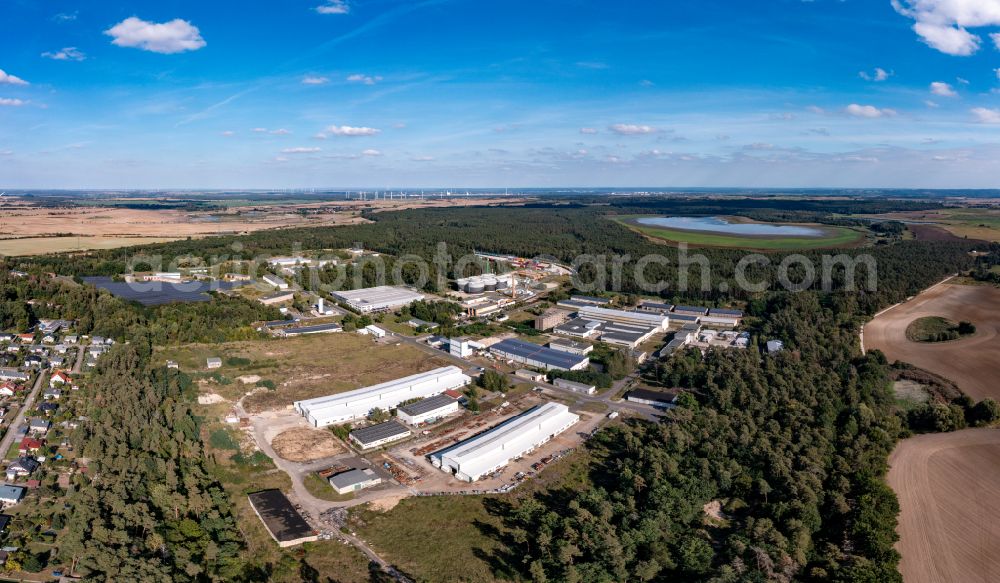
[(223, 438), (299, 368), (834, 237), (937, 329)]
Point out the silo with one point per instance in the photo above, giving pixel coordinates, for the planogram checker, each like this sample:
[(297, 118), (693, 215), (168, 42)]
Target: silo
[(490, 283), (475, 287)]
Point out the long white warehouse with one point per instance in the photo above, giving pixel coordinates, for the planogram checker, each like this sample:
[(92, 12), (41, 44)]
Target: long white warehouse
[(658, 321), (356, 404), (378, 299), (475, 457)]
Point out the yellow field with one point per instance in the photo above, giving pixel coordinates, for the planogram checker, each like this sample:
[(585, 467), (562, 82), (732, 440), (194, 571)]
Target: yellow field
[(42, 245)]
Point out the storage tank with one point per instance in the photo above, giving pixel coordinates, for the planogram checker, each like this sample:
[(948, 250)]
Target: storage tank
[(475, 287), (502, 284), (490, 284)]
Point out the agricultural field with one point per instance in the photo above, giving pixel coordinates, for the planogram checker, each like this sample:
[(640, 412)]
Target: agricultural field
[(42, 245), (962, 222), (832, 237), (948, 485), (281, 371), (970, 361)]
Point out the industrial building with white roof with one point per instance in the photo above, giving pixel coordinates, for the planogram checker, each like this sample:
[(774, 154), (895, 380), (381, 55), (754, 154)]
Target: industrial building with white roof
[(487, 452), (356, 404), (538, 356), (377, 299)]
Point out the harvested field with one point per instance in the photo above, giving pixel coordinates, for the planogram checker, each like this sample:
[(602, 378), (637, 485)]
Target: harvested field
[(305, 445), (969, 362), (948, 486)]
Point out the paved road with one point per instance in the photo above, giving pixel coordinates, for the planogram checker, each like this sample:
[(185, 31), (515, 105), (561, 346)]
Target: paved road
[(78, 365), (29, 402)]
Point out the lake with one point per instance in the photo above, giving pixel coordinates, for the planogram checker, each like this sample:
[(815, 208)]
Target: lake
[(154, 293), (722, 225)]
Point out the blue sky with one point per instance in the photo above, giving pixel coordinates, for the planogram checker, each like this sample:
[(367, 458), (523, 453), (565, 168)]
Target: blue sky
[(467, 93)]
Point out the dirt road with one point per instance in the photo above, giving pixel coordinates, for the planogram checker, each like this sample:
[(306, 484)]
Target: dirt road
[(948, 486), (970, 362)]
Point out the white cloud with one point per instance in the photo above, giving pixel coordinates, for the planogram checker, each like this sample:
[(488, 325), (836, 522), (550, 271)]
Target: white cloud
[(11, 79), (868, 111), (422, 158), (880, 74), (984, 115), (588, 130), (931, 104), (65, 54), (962, 81), (300, 150), (944, 24), (334, 7), (646, 83), (997, 71), (351, 131), (371, 153), (315, 80), (259, 130), (65, 16), (229, 133), (4, 101), (996, 40), (816, 109), (365, 79), (628, 129), (943, 89), (280, 132), (167, 38)]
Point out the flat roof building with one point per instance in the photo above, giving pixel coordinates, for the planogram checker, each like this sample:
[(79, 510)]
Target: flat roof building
[(659, 321), (354, 480), (690, 310), (379, 434), (282, 520), (654, 307), (570, 346), (574, 386), (316, 329), (538, 356), (213, 362), (487, 452), (579, 328), (427, 409), (356, 404), (550, 319), (275, 281), (657, 399), (276, 298), (531, 375), (378, 299)]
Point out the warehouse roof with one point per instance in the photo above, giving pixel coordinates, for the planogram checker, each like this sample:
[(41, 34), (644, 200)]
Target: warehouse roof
[(647, 395), (374, 433), (548, 356), (352, 478), (717, 312), (589, 300), (695, 309), (568, 344), (427, 405), (311, 329), (280, 517), (655, 306), (683, 318)]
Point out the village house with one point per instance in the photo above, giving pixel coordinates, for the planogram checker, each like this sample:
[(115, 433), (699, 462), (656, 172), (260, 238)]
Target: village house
[(10, 495), (38, 426), (21, 468)]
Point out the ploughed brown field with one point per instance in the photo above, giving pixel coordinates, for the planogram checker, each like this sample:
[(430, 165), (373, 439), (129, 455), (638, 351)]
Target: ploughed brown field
[(971, 362), (948, 486)]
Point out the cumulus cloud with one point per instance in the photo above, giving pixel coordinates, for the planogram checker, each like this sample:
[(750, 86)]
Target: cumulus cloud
[(65, 54), (868, 111), (594, 130), (879, 75), (10, 79), (364, 79), (943, 89), (300, 150), (7, 102), (315, 80), (984, 115), (371, 152), (944, 24), (629, 129), (334, 7), (349, 131), (167, 38)]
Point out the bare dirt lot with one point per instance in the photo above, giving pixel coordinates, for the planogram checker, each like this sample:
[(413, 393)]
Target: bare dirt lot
[(948, 486), (305, 445), (970, 362)]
